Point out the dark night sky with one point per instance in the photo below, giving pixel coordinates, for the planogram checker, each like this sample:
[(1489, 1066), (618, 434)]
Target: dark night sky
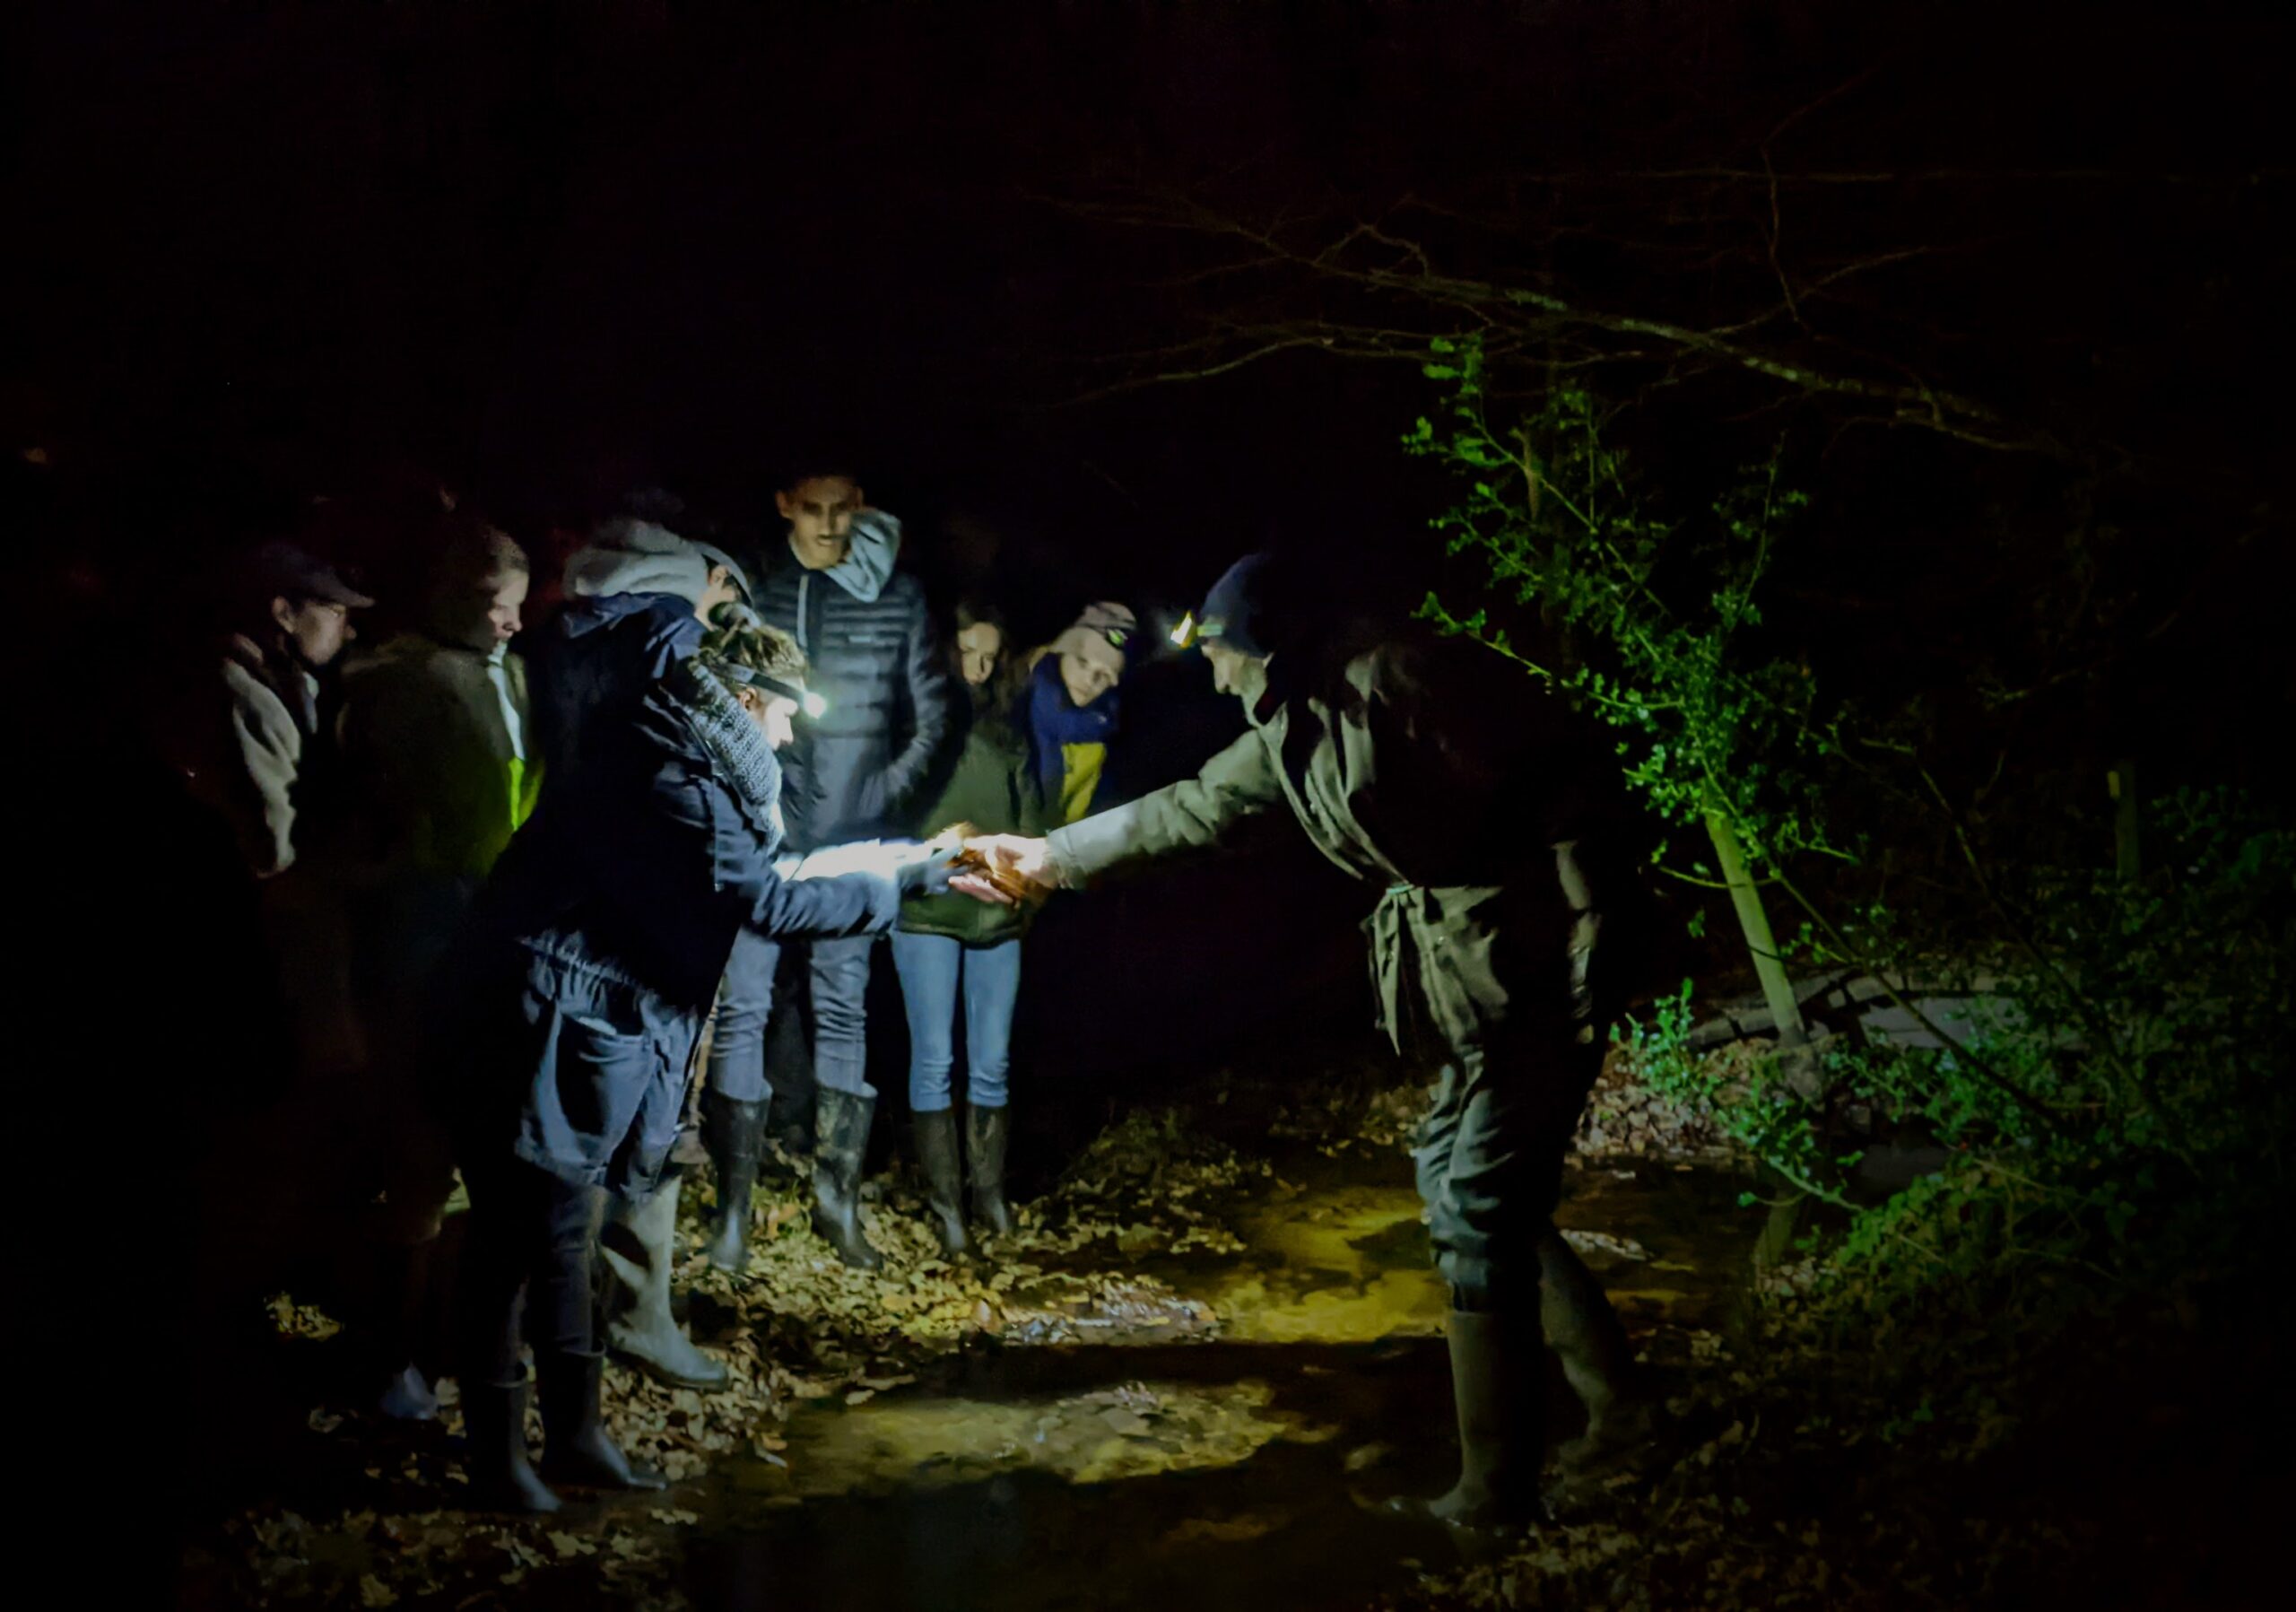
[(276, 250), (265, 251)]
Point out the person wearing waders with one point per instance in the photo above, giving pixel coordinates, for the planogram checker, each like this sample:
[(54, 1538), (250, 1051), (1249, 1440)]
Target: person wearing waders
[(581, 988), (1487, 817), (861, 769), (639, 598)]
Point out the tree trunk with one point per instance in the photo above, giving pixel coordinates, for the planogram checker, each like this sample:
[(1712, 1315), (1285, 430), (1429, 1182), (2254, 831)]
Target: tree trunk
[(2122, 781), (1795, 1062)]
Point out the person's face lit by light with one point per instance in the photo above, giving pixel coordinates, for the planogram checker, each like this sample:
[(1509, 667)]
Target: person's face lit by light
[(503, 605), (776, 714), (1230, 669), (820, 510), (1085, 679), (316, 630), (979, 648)]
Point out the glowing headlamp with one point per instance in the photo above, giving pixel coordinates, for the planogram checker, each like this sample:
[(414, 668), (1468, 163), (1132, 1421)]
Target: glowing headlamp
[(1185, 635), (813, 704)]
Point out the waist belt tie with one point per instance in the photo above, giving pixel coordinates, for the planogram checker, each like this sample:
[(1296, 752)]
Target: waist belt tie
[(1405, 911)]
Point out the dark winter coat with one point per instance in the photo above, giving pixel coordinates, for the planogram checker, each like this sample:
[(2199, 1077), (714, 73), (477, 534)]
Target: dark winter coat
[(598, 944), (995, 789), (860, 770), (601, 654), (1485, 812)]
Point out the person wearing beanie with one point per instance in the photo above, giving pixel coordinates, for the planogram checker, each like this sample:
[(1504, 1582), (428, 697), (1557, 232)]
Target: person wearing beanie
[(1072, 701), (435, 731), (1492, 822), (954, 954), (577, 992)]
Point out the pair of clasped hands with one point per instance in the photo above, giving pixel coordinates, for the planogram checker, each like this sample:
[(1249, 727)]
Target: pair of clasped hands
[(1009, 870)]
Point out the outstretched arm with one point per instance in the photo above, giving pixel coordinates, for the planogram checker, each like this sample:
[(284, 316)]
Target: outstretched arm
[(1198, 813)]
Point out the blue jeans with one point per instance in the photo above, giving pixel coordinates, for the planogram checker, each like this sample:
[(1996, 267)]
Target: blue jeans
[(840, 980), (931, 968)]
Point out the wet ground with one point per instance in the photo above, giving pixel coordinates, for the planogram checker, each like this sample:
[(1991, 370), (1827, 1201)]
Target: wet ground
[(1231, 1466)]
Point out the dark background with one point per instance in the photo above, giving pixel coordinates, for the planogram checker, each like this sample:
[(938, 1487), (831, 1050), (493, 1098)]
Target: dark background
[(541, 254)]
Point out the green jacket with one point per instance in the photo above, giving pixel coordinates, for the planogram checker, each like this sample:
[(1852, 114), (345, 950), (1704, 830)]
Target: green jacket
[(1463, 800), (995, 789)]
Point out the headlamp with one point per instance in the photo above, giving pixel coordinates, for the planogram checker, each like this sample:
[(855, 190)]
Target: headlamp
[(813, 704), (1184, 634)]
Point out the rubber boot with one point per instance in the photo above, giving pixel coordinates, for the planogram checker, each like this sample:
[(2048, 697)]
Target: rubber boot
[(985, 1130), (945, 1182), (502, 1478), (1598, 1359), (406, 1395), (575, 1448), (840, 1139), (735, 1134), (636, 1250), (1496, 1386)]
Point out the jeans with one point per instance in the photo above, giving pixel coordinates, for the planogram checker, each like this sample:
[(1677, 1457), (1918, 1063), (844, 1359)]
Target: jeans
[(529, 1249), (839, 976), (931, 968), (745, 1007)]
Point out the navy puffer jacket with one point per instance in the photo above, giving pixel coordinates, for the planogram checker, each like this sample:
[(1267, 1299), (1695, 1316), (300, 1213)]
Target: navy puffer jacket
[(862, 769)]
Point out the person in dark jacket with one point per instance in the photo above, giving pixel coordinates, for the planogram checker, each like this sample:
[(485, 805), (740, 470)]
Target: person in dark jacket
[(949, 946), (639, 595), (434, 734), (859, 771), (592, 962), (1491, 820)]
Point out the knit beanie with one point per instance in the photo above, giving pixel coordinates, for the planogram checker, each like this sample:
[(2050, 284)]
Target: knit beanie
[(1107, 635), (1232, 613)]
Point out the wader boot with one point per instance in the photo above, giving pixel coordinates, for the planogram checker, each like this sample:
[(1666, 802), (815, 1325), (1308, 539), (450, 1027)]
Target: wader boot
[(1496, 1383), (502, 1478), (985, 1130), (735, 1132), (575, 1448), (636, 1250), (840, 1138), (1597, 1360), (936, 1152)]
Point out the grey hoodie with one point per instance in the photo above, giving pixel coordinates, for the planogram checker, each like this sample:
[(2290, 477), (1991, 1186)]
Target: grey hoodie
[(638, 556)]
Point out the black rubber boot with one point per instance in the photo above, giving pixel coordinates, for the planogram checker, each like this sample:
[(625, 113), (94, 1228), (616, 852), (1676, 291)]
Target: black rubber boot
[(945, 1179), (1597, 1361), (985, 1129), (840, 1139), (1496, 1383), (636, 1247), (575, 1448), (502, 1478), (735, 1134)]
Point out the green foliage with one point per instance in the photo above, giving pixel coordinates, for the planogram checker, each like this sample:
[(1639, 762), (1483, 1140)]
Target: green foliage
[(2117, 1126), (1656, 619)]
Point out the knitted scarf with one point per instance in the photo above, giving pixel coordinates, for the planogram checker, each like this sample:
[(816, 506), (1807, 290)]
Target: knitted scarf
[(732, 739)]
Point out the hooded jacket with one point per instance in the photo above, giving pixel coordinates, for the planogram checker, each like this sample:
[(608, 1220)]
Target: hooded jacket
[(597, 946), (859, 771), (629, 617)]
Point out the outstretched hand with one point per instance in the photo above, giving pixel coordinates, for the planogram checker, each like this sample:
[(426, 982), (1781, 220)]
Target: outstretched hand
[(1008, 869)]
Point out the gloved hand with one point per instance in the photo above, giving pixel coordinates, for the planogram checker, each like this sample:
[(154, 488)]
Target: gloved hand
[(928, 874)]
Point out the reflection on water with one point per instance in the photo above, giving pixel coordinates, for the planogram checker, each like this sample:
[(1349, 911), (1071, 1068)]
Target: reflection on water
[(1217, 1472)]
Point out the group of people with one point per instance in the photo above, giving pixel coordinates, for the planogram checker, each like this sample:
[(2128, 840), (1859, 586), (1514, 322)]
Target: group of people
[(514, 891), (505, 892)]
